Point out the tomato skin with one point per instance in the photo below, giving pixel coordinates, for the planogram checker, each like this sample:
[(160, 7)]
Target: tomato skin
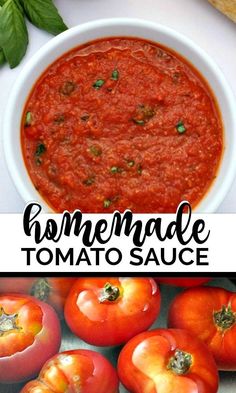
[(75, 371), (183, 282), (37, 337), (111, 322), (194, 308), (143, 364), (50, 290)]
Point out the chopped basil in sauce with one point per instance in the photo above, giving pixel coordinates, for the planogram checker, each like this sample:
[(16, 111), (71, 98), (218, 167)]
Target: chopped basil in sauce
[(28, 119), (107, 203), (115, 75), (89, 181), (180, 127), (98, 84), (139, 122), (116, 169), (95, 150), (130, 163), (40, 149), (139, 169), (143, 114)]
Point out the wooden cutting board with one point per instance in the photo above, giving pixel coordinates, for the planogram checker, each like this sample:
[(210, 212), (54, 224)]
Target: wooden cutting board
[(227, 7)]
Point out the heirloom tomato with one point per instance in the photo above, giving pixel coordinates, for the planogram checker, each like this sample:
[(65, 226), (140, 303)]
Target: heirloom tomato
[(183, 281), (167, 361), (210, 314), (29, 335), (78, 371), (109, 311), (50, 290)]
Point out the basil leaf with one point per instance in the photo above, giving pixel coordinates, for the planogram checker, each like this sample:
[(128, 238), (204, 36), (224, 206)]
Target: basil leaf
[(13, 33), (44, 14), (2, 57), (2, 2)]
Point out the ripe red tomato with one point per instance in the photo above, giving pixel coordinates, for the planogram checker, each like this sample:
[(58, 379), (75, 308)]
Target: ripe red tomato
[(210, 314), (109, 311), (50, 290), (29, 335), (80, 371), (183, 282), (167, 361)]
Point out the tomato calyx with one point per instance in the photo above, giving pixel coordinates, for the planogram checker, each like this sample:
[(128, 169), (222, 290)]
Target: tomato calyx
[(225, 318), (8, 322), (109, 293), (180, 362), (41, 289)]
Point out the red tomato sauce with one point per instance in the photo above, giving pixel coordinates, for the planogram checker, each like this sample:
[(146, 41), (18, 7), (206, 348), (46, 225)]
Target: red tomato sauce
[(121, 123)]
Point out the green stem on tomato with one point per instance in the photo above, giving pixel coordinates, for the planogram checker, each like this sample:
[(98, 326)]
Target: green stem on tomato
[(109, 293), (41, 289), (225, 318), (180, 362), (8, 322)]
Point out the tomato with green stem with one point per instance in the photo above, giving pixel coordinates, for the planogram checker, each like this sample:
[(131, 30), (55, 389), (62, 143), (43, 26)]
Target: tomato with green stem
[(29, 335), (210, 314), (52, 290), (167, 361), (109, 311), (82, 371)]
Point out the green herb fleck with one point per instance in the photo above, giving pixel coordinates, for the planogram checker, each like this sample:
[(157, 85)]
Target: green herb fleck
[(107, 203), (116, 169), (115, 75), (180, 127), (28, 119), (139, 122), (139, 169), (40, 149), (89, 181), (38, 161), (85, 117), (130, 163), (67, 88), (98, 84), (95, 150)]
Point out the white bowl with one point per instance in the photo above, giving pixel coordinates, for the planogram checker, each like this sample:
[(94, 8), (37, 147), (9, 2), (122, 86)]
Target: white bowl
[(108, 28)]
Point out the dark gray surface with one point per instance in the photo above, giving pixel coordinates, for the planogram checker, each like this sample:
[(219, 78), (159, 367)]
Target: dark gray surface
[(227, 379)]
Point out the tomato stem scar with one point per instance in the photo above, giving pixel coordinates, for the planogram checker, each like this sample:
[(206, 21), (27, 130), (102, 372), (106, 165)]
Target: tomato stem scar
[(225, 318), (8, 322), (41, 289), (109, 293), (180, 363)]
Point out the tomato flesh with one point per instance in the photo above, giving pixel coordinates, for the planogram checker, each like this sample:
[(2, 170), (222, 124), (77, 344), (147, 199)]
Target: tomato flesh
[(29, 335)]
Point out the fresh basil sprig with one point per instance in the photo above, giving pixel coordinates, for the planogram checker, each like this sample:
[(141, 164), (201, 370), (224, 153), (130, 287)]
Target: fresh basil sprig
[(44, 14), (13, 33), (13, 30)]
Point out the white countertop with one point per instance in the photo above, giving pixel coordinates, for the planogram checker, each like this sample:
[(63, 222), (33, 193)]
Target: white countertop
[(195, 18)]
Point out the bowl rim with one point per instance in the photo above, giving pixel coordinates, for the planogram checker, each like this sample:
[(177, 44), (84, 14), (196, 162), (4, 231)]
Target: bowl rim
[(43, 52)]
